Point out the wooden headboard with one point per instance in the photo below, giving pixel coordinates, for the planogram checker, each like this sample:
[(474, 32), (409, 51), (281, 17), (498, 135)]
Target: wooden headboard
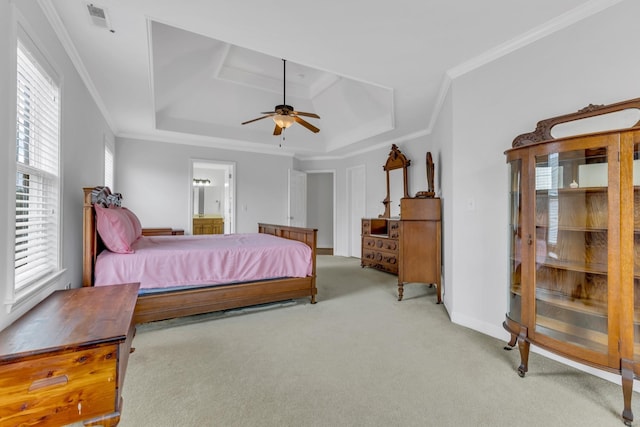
[(91, 243)]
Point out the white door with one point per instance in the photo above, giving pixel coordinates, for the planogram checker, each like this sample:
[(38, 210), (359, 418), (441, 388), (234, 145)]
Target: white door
[(355, 194), (297, 215)]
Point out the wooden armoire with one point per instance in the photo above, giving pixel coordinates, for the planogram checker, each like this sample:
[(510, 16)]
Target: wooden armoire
[(574, 245)]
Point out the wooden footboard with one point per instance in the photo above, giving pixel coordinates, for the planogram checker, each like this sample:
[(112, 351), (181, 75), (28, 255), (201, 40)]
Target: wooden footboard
[(200, 300)]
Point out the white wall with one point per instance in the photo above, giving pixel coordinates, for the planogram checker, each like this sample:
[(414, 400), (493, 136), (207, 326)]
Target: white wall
[(440, 145), (82, 131), (153, 178), (591, 62)]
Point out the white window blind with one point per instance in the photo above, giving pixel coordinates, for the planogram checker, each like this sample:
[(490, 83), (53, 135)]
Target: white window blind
[(37, 172), (108, 167)]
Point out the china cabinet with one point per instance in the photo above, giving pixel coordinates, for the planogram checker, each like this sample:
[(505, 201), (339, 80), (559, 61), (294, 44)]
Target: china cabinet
[(574, 245)]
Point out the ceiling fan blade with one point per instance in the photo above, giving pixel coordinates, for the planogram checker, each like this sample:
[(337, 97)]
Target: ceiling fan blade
[(268, 112), (259, 118), (302, 113), (277, 130), (306, 124)]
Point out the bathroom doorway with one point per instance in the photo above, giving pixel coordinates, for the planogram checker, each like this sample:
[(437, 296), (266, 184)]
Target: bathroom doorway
[(212, 195)]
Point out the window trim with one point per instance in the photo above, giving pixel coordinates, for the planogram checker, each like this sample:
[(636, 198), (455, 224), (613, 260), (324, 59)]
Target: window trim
[(109, 146), (14, 299)]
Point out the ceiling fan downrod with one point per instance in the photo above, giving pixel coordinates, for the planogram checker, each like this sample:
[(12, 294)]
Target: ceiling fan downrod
[(284, 82)]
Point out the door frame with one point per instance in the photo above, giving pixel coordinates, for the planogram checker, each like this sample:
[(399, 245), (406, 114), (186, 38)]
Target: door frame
[(230, 199)]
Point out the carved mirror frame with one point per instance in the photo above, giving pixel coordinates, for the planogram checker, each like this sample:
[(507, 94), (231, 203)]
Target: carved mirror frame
[(396, 160)]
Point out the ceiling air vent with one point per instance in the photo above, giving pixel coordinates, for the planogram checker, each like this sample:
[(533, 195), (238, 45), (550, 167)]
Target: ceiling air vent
[(99, 16)]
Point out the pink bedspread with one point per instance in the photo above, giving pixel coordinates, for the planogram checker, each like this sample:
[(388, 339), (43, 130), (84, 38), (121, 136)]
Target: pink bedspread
[(169, 261)]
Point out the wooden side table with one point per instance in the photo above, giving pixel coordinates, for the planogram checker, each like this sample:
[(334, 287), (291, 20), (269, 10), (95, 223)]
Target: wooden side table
[(64, 361)]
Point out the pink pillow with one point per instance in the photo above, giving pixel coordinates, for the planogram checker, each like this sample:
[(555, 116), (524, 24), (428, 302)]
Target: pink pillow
[(115, 229), (137, 226)]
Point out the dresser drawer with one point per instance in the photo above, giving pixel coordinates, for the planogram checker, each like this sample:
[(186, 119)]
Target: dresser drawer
[(394, 229), (386, 261), (380, 244), (366, 227), (74, 385)]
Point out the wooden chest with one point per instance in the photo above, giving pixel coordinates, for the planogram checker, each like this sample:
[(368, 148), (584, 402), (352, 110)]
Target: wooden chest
[(64, 361)]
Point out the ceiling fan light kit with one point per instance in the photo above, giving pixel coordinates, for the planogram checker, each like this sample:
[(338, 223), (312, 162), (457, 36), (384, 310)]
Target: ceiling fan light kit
[(284, 115), (283, 120)]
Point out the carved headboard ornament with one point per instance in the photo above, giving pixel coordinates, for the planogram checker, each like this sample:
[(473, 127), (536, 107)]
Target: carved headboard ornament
[(543, 128), (104, 197)]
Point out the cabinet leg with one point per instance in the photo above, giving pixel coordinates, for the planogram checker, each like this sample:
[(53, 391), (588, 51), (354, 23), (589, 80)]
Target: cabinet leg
[(523, 346), (439, 290), (512, 343), (627, 390), (400, 290)]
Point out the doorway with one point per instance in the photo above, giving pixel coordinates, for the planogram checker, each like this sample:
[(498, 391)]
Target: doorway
[(212, 185), (321, 213), (356, 186)]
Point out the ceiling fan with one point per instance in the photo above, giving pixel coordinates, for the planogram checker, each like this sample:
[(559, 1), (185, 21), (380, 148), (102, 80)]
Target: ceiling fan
[(284, 115)]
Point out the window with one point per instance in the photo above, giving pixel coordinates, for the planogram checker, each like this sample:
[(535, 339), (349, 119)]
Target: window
[(37, 171), (108, 167)]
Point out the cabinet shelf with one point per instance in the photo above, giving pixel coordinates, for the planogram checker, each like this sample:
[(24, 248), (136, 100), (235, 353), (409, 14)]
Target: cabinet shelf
[(560, 300), (579, 190), (564, 331), (574, 228), (593, 268)]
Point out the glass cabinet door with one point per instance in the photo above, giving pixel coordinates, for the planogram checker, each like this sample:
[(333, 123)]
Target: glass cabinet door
[(570, 245), (515, 241)]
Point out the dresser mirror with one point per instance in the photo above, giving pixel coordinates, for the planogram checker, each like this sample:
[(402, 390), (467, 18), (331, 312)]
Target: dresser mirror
[(397, 183)]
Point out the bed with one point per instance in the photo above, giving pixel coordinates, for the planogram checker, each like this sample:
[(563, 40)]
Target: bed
[(196, 298)]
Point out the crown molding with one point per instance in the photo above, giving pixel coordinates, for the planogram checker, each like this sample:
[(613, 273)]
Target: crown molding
[(556, 24), (58, 27), (169, 137)]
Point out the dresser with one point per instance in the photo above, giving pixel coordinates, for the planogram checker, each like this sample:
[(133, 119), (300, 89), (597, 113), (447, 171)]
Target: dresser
[(208, 224), (409, 247), (64, 361)]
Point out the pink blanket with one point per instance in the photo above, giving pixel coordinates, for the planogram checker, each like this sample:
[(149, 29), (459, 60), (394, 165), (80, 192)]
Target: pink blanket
[(169, 261)]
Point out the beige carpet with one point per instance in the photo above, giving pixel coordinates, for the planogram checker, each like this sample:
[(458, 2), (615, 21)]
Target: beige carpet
[(357, 358)]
